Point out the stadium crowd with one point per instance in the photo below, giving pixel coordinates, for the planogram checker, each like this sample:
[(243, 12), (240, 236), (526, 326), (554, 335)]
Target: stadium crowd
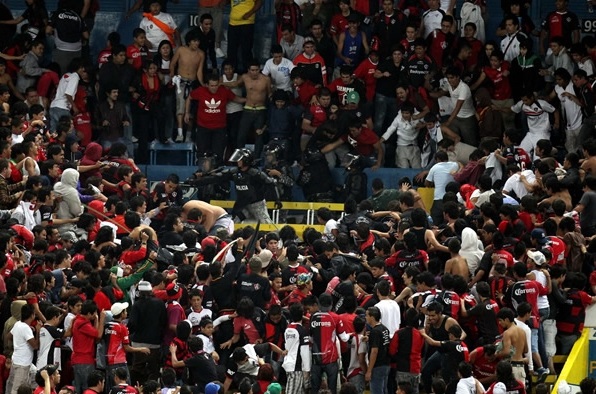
[(109, 287)]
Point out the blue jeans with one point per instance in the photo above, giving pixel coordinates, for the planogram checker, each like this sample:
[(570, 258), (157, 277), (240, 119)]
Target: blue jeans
[(55, 115), (316, 375), (385, 109), (378, 379), (432, 365), (81, 373)]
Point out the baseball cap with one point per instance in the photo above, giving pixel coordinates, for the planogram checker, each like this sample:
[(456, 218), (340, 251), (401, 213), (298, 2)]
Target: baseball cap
[(265, 257), (273, 388), (117, 270), (539, 235), (353, 17), (564, 388), (207, 241), (173, 291), (499, 388), (212, 388), (353, 97), (118, 307), (537, 257), (303, 279), (145, 286)]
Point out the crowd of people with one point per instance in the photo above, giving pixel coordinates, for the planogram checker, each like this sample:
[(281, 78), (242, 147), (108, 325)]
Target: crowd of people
[(108, 286)]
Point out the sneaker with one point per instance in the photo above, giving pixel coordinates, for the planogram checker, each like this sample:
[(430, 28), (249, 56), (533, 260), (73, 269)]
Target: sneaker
[(169, 141), (180, 138), (135, 140), (542, 374), (219, 52)]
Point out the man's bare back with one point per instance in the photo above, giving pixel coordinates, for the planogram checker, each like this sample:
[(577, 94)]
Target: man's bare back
[(516, 337), (210, 212), (589, 165), (458, 266), (257, 90)]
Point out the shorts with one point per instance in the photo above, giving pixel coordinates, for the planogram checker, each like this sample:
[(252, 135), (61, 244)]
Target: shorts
[(186, 86), (519, 372)]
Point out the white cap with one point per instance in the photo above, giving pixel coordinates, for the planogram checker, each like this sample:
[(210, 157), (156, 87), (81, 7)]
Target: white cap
[(537, 257), (499, 388), (145, 286), (564, 388), (118, 308)]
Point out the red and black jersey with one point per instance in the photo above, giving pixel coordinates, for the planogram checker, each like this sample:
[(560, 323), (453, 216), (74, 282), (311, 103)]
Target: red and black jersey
[(440, 46), (557, 248), (483, 367), (572, 314), (517, 156), (123, 388), (561, 24), (323, 332), (290, 274), (526, 291), (182, 353), (406, 350), (450, 301), (398, 262), (288, 14), (498, 285)]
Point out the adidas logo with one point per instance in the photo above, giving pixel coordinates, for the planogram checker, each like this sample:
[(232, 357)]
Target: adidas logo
[(212, 106)]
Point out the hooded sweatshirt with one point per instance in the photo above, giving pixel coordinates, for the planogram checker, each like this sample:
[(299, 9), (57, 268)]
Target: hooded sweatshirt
[(70, 207), (15, 312), (93, 153), (470, 248)]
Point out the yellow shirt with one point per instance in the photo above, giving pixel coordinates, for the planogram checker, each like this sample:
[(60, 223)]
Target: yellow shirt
[(239, 8)]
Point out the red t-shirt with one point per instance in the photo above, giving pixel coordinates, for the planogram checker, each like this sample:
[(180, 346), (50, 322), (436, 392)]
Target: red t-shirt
[(316, 114), (557, 249), (40, 390), (84, 335), (246, 326), (305, 93), (116, 336), (137, 55), (366, 72), (501, 89), (211, 111), (339, 24), (364, 142)]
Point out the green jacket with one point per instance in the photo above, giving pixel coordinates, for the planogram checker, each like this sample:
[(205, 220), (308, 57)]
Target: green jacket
[(129, 281), (382, 198)]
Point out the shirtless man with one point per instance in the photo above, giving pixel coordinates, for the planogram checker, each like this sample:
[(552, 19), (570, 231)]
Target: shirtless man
[(456, 265), (212, 217), (514, 343), (254, 116), (190, 60), (588, 166)]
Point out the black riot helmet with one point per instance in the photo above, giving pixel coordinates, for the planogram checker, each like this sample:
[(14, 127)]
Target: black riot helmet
[(243, 154)]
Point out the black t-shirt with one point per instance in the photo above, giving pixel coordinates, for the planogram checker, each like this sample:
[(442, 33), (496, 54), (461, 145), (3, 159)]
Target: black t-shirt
[(486, 315), (45, 211), (201, 370), (379, 337), (255, 287)]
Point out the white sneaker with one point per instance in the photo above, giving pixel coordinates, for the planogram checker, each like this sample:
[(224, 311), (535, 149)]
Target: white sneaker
[(180, 138), (135, 139), (169, 141), (219, 52)]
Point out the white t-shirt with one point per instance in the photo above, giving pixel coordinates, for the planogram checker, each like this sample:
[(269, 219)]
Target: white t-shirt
[(432, 20), (542, 300), (462, 92), (68, 85), (390, 315), (513, 183), (279, 73), (232, 106), (468, 386), (528, 332), (572, 112), (48, 351), (329, 227), (538, 120), (23, 352), (153, 33), (68, 320), (441, 174)]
